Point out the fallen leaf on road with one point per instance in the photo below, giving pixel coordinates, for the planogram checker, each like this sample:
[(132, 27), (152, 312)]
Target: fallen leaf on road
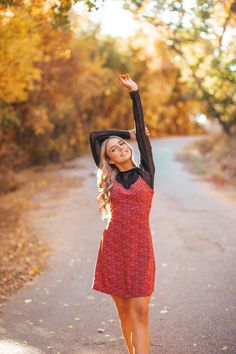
[(27, 301), (101, 330), (165, 309)]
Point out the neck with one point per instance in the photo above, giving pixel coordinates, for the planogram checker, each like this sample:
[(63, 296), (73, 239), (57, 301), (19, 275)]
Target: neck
[(126, 165), (128, 169), (124, 168)]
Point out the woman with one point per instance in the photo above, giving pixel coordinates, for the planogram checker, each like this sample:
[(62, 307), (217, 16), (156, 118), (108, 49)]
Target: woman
[(125, 266)]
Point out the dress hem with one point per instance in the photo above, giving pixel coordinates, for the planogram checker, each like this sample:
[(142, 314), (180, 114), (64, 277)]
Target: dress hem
[(106, 292)]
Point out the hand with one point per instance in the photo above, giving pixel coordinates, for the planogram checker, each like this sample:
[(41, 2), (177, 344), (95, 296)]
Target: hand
[(133, 133), (128, 83), (147, 132)]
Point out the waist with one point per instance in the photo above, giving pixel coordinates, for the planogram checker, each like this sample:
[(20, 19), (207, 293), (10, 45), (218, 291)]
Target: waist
[(124, 223)]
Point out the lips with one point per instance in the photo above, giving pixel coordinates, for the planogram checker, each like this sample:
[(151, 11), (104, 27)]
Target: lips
[(124, 153)]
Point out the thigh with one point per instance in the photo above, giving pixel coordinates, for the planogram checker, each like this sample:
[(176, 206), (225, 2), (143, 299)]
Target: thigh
[(122, 303)]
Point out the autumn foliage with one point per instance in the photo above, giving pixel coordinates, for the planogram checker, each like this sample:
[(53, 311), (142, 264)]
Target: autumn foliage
[(59, 83)]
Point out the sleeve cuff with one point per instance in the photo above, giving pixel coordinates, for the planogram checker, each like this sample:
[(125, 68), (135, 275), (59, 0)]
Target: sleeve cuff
[(134, 92)]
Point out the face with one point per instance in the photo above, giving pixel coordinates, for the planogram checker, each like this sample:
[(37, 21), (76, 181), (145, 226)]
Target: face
[(117, 151)]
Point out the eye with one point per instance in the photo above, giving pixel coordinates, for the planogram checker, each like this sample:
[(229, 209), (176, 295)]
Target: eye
[(121, 143)]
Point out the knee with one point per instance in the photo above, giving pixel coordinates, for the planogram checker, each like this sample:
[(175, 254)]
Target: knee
[(141, 314)]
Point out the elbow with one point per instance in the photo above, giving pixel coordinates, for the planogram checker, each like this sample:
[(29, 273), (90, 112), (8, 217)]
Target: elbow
[(91, 135)]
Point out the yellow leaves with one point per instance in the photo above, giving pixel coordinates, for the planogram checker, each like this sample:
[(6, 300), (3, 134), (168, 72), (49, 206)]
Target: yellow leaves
[(37, 10), (27, 40), (38, 120), (65, 3), (35, 270), (66, 54), (107, 92), (72, 141), (20, 50), (46, 58)]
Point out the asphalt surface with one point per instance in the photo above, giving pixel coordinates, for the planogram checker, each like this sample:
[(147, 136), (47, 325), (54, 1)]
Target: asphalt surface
[(194, 233)]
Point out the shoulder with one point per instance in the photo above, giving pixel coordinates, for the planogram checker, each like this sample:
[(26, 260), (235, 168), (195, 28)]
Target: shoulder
[(141, 170), (147, 176)]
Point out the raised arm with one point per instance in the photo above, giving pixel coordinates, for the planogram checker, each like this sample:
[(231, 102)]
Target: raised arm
[(96, 138), (145, 148)]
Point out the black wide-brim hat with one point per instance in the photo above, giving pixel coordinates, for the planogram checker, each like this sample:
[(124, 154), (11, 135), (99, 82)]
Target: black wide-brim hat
[(97, 137)]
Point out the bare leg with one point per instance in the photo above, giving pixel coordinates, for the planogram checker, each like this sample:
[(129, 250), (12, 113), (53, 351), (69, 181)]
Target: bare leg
[(122, 306), (139, 311)]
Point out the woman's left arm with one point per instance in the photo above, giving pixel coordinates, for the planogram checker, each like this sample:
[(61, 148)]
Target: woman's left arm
[(143, 141)]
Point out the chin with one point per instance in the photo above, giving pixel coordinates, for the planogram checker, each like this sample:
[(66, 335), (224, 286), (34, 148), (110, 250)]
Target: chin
[(126, 158)]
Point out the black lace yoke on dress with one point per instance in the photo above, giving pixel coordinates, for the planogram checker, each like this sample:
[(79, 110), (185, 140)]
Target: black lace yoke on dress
[(146, 167)]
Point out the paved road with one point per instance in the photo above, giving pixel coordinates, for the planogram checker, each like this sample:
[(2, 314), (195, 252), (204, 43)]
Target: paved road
[(193, 307)]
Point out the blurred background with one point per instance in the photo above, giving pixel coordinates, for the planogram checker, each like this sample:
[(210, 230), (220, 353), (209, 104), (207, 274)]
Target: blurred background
[(59, 66)]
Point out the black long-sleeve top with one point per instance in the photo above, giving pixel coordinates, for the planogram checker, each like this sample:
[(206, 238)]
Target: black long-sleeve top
[(146, 168)]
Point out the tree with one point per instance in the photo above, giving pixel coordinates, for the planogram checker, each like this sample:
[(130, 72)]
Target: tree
[(201, 36)]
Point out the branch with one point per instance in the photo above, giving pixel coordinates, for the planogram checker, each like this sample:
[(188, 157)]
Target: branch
[(224, 29)]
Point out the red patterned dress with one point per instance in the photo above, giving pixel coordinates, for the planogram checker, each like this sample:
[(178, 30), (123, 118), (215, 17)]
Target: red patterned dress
[(125, 264)]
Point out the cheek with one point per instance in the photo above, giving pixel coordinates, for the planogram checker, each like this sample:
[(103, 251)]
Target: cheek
[(114, 155)]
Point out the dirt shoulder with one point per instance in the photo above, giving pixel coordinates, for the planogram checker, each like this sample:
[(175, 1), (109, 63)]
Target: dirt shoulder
[(213, 158), (23, 255)]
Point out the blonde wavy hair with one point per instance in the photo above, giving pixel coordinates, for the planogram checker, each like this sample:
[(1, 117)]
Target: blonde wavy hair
[(106, 177)]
